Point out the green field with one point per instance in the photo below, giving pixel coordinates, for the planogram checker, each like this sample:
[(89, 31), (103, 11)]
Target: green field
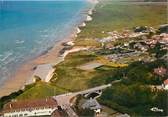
[(112, 15), (69, 78), (133, 94), (41, 90), (74, 79), (109, 16)]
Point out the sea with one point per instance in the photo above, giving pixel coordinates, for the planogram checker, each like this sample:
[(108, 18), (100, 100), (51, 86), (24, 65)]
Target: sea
[(29, 28)]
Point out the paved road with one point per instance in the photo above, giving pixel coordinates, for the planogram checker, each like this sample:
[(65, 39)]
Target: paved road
[(65, 100), (93, 89), (71, 112)]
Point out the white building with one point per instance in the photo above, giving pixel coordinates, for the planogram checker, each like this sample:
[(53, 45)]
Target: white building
[(92, 104), (88, 18), (29, 108), (165, 84), (44, 72)]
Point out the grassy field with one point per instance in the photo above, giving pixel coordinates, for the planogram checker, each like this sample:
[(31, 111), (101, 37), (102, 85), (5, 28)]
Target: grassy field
[(41, 90), (72, 78), (68, 77), (112, 15), (108, 16)]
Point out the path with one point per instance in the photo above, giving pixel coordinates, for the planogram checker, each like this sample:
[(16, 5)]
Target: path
[(64, 100)]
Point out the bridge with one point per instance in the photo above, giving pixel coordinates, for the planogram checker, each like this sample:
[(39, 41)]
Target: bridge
[(64, 100), (95, 89)]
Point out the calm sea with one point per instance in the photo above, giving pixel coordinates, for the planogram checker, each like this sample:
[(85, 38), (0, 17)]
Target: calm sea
[(27, 29)]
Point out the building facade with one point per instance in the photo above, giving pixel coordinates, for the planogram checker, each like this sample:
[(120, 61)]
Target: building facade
[(29, 108)]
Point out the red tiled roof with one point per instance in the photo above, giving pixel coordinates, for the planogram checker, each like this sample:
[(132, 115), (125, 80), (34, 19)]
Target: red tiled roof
[(160, 71), (30, 104), (166, 82)]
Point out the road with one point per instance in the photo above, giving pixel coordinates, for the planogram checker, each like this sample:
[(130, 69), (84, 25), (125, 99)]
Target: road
[(93, 89), (65, 100)]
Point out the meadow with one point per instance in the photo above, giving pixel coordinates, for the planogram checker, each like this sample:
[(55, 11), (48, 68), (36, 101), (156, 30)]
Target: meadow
[(108, 16), (113, 15)]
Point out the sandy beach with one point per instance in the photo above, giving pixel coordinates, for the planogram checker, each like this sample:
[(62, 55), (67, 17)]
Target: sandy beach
[(26, 70)]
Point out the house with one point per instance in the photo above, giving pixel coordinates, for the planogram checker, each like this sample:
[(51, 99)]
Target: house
[(165, 84), (88, 18), (164, 37), (160, 71), (106, 39), (123, 115), (163, 28), (141, 29), (78, 30), (92, 104), (31, 108), (69, 43), (42, 72), (141, 47)]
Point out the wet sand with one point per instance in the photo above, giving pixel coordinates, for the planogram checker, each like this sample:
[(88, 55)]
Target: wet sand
[(26, 70)]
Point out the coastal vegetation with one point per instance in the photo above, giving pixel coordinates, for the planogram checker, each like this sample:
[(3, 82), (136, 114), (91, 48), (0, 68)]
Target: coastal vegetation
[(115, 15), (8, 98), (134, 99), (107, 16), (134, 94), (68, 73), (135, 91), (40, 90)]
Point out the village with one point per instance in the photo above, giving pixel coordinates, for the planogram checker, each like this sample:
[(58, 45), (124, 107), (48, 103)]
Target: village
[(118, 48), (141, 40)]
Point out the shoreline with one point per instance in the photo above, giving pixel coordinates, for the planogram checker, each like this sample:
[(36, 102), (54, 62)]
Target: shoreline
[(26, 70)]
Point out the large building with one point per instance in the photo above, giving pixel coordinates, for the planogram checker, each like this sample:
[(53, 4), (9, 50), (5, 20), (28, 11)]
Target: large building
[(30, 108), (165, 84), (43, 72)]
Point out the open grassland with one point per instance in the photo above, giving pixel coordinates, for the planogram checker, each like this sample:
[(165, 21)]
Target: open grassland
[(132, 95), (70, 77), (110, 15), (40, 90)]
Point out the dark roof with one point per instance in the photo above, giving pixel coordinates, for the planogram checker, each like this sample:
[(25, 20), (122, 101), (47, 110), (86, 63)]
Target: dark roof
[(29, 104)]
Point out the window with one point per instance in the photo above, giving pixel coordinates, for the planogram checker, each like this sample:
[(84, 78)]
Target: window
[(14, 115), (25, 115), (20, 115)]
